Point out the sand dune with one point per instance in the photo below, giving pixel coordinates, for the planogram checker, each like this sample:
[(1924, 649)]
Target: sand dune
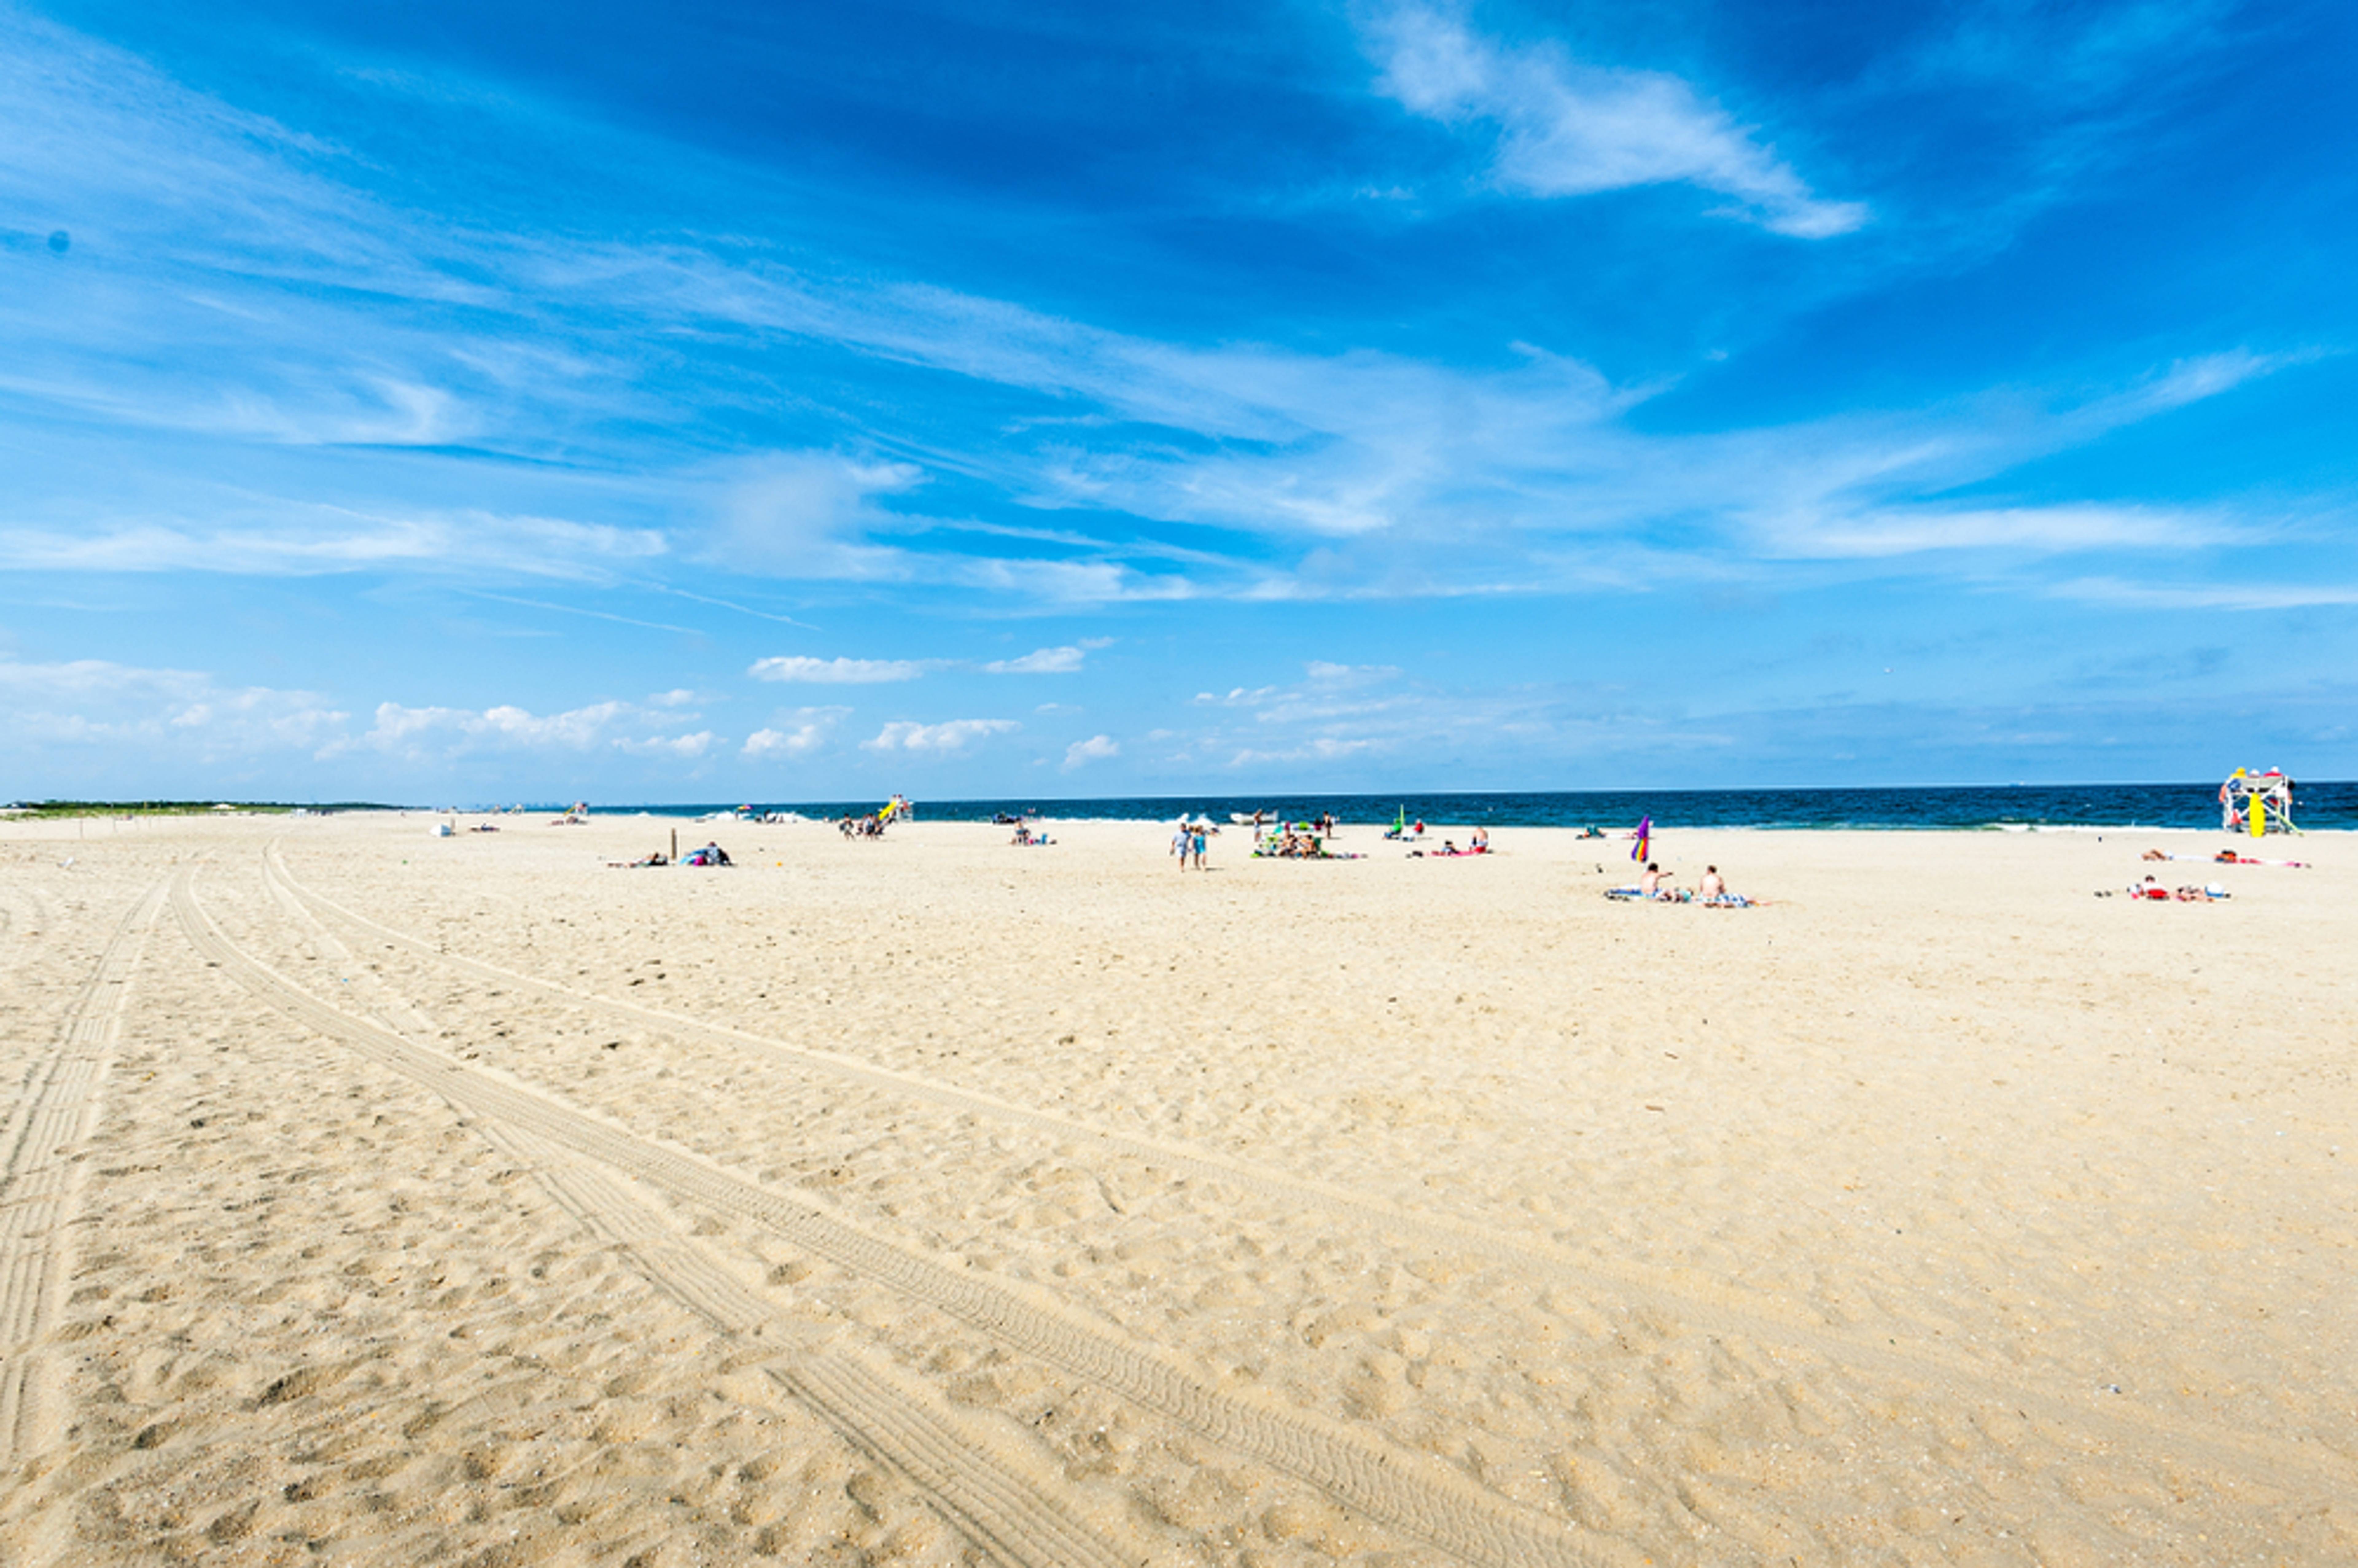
[(376, 1199)]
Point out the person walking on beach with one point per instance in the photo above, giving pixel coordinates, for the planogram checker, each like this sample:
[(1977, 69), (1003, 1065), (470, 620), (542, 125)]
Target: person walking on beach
[(1180, 842), (1197, 837)]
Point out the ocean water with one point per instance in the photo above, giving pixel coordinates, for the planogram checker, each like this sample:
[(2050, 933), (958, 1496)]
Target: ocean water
[(2194, 806)]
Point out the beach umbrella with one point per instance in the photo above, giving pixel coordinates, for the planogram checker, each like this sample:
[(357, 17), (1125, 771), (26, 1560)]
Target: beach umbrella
[(1645, 837)]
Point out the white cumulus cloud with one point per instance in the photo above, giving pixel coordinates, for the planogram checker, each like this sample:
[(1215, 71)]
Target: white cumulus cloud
[(1042, 662), (952, 735), (806, 730), (1096, 748), (417, 733), (97, 700)]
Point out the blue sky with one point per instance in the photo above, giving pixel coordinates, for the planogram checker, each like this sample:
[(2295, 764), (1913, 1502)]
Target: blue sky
[(477, 402)]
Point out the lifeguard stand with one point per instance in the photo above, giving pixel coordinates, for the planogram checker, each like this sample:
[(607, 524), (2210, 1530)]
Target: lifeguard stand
[(2257, 803)]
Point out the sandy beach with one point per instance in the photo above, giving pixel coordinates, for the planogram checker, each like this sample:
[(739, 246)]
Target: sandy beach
[(376, 1199)]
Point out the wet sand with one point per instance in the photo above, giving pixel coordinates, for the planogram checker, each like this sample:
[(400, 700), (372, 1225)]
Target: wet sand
[(374, 1198)]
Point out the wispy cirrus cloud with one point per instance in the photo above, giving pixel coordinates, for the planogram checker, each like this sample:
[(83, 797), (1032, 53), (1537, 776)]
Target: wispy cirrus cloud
[(1067, 659), (685, 748), (314, 539), (1318, 749), (2230, 596), (830, 516), (1566, 128), (1350, 474), (806, 669), (810, 515), (1887, 532)]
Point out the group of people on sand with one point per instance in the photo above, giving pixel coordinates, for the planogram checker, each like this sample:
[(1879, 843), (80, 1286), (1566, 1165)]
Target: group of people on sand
[(2152, 888), (1298, 841), (1479, 844), (870, 828), (1028, 839), (1190, 843), (1655, 886)]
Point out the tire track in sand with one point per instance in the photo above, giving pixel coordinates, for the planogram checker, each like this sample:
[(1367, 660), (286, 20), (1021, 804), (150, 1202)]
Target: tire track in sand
[(1012, 1507), (25, 914), (40, 1187), (1015, 1507), (1411, 1493), (1715, 1306)]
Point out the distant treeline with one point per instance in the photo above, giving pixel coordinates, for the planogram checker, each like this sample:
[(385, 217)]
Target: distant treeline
[(177, 808)]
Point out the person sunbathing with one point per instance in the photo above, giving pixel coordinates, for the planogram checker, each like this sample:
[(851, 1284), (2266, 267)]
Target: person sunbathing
[(1712, 891)]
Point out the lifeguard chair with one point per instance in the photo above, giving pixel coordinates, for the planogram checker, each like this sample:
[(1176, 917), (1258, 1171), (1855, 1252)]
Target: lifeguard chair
[(2256, 804)]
